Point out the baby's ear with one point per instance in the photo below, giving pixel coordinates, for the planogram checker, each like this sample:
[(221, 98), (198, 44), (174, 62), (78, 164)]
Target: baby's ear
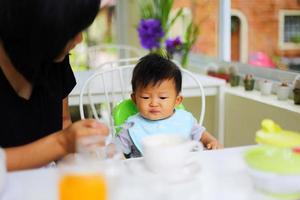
[(179, 99), (133, 98)]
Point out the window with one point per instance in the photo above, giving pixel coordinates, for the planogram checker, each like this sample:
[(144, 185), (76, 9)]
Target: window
[(289, 29)]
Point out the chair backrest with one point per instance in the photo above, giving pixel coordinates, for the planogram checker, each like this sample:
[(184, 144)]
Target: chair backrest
[(117, 63), (122, 76), (100, 54), (110, 86), (106, 87)]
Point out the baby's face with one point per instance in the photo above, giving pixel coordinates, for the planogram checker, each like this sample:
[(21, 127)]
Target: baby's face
[(157, 102)]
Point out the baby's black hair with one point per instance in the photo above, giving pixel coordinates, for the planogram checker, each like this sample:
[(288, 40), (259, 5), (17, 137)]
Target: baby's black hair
[(153, 69)]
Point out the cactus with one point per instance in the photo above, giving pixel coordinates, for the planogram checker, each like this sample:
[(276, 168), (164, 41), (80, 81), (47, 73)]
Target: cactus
[(233, 70), (297, 90), (297, 83), (248, 77), (284, 84), (249, 82), (234, 78)]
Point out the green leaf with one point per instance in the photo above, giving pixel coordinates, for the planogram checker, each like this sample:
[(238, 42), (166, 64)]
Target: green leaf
[(191, 35), (147, 9), (170, 24)]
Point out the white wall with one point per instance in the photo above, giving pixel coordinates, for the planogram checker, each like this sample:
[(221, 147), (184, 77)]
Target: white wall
[(243, 118), (192, 104)]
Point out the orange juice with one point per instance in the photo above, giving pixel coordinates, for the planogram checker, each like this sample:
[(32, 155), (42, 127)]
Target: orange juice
[(83, 187)]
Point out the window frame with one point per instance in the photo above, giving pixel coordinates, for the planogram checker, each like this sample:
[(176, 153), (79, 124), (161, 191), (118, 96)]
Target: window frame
[(286, 45)]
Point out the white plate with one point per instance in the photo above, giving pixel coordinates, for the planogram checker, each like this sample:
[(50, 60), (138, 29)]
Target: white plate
[(189, 173)]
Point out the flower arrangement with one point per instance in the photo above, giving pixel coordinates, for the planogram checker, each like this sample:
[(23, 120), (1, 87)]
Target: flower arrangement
[(155, 25)]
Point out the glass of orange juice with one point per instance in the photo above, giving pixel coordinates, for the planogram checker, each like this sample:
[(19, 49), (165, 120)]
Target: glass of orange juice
[(85, 185)]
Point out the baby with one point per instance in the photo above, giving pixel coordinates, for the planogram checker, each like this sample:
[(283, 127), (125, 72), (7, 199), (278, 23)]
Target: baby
[(156, 86)]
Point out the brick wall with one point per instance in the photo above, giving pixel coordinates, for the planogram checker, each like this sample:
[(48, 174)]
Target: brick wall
[(263, 22)]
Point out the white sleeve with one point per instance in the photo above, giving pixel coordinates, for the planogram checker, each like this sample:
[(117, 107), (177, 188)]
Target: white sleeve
[(123, 140), (197, 131)]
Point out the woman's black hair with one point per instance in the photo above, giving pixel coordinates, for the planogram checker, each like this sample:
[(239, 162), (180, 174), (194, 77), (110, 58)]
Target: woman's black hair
[(153, 69), (35, 32)]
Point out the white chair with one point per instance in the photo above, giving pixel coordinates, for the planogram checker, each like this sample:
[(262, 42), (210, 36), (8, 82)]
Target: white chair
[(106, 87), (116, 63), (111, 65), (112, 85), (100, 54)]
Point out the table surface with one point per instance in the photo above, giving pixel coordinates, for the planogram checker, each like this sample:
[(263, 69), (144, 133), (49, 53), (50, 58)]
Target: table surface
[(222, 175)]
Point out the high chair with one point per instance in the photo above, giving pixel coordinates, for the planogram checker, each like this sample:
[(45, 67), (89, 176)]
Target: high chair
[(109, 87)]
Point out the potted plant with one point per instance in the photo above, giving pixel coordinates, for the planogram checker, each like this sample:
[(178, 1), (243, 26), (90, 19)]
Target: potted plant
[(234, 78), (249, 82), (265, 87), (297, 91), (283, 91)]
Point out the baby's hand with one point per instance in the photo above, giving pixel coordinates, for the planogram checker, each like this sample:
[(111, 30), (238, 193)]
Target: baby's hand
[(213, 144)]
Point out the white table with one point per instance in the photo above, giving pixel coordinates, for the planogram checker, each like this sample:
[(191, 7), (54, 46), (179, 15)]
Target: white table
[(223, 176), (212, 87)]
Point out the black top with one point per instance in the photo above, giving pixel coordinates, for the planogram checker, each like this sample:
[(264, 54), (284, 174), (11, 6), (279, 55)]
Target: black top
[(23, 121)]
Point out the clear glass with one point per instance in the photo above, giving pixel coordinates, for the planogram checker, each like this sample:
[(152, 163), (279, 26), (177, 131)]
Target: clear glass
[(97, 147)]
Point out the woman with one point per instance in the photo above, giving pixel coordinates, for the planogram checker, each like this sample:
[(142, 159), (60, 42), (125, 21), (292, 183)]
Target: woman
[(35, 79)]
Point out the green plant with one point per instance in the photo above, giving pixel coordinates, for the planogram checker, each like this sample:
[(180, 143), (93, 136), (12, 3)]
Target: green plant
[(297, 83), (190, 38), (295, 39), (249, 82), (284, 84), (234, 78), (233, 70), (248, 77)]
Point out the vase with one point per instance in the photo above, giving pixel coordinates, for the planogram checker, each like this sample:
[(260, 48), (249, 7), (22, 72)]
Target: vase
[(283, 92), (296, 96), (234, 80), (265, 87), (249, 84)]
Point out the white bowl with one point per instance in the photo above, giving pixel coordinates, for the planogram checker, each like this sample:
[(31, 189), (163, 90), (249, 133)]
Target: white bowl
[(276, 184), (275, 171)]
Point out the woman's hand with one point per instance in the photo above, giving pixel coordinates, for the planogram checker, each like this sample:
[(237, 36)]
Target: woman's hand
[(79, 129)]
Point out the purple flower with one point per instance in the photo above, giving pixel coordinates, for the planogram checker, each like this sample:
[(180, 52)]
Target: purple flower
[(173, 45), (150, 33)]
